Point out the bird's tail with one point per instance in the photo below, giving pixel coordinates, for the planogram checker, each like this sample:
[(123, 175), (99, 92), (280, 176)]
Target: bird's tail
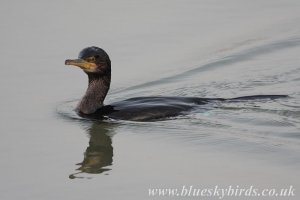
[(258, 97)]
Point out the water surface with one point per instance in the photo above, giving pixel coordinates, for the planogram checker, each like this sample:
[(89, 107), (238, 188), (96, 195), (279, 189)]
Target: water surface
[(180, 48)]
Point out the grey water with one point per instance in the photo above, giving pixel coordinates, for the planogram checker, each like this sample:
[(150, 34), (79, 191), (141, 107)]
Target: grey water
[(197, 48)]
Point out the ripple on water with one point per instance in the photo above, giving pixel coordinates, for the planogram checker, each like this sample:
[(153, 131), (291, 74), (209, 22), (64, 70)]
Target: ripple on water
[(67, 110)]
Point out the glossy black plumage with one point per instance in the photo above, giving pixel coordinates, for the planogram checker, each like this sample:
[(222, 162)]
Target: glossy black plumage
[(97, 65)]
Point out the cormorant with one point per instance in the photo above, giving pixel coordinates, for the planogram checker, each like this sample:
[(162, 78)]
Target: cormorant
[(96, 63)]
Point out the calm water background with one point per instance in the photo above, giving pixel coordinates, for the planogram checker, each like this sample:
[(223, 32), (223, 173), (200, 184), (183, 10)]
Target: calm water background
[(204, 48)]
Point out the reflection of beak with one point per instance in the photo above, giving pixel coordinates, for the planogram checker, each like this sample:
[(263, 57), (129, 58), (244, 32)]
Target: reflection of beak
[(81, 63)]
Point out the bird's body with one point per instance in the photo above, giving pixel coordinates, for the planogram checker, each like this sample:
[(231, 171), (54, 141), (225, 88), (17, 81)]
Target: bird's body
[(148, 108), (96, 64)]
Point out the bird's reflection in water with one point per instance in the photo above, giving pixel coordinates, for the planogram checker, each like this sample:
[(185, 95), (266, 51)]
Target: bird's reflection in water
[(99, 154)]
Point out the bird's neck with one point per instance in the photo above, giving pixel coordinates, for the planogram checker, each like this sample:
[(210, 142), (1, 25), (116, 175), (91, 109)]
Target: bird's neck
[(95, 93)]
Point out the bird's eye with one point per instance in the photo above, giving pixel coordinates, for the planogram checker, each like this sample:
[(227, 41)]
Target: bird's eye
[(91, 59)]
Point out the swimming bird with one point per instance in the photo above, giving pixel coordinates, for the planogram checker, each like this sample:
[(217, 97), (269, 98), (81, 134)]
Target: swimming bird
[(96, 63)]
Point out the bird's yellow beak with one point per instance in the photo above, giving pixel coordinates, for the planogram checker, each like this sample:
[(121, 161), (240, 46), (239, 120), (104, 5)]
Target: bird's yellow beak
[(85, 65)]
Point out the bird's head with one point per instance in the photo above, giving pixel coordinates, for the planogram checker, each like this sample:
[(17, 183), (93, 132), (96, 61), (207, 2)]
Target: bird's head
[(92, 60)]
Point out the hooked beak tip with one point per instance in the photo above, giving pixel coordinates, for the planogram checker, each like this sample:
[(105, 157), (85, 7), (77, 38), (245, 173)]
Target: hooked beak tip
[(67, 62)]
